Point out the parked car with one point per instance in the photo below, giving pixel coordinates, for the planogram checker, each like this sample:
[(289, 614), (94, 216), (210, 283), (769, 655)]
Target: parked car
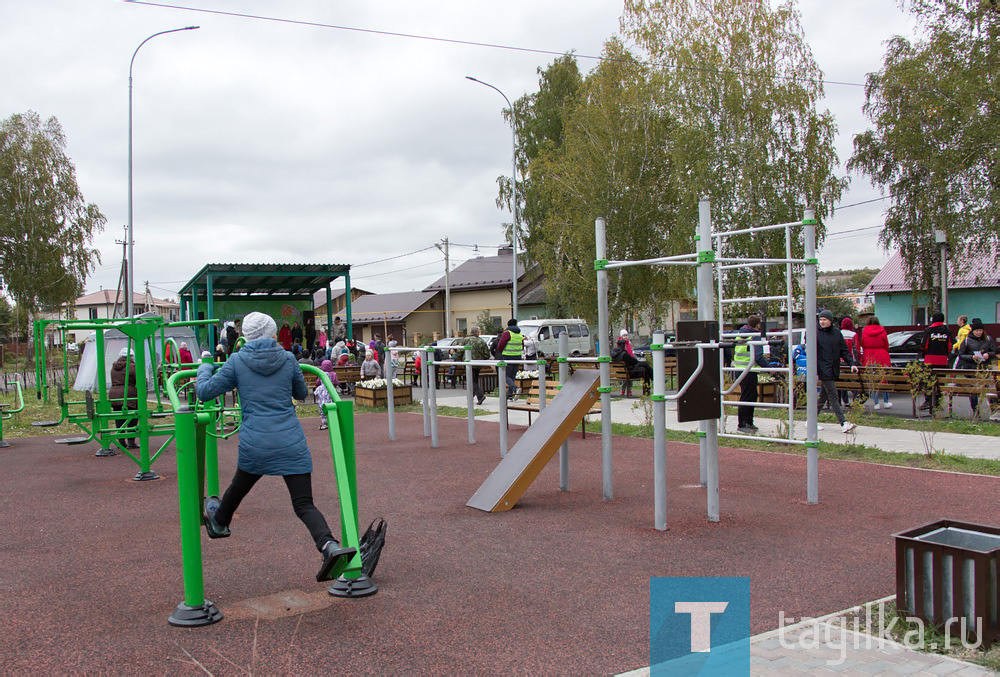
[(905, 347), (546, 333), (642, 350)]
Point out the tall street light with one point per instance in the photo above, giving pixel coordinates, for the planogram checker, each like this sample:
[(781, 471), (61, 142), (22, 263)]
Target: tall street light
[(513, 179), (131, 268)]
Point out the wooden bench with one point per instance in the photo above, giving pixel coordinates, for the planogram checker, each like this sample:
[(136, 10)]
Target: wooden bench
[(871, 380), (968, 382), (534, 396)]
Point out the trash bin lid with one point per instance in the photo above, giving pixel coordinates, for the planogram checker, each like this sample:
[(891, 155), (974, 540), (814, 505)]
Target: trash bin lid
[(962, 538)]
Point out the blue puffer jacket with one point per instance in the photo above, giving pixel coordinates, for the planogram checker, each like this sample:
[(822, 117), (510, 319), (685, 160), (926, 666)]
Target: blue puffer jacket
[(271, 437)]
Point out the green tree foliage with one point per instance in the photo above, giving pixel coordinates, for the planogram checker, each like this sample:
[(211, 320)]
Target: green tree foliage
[(933, 145), (744, 88), (46, 227), (612, 162), (723, 102), (486, 323)]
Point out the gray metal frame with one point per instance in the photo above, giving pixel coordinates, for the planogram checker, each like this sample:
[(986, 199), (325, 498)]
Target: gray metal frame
[(712, 266)]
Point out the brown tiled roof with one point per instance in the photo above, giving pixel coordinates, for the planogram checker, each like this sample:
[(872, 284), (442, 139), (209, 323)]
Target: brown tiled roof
[(106, 297), (386, 307)]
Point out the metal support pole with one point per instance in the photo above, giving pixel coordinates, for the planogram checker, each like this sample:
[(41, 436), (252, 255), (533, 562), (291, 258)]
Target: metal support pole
[(502, 393), (812, 398), (432, 384), (709, 442), (389, 403), (604, 336), (659, 434), (563, 378), (470, 395), (541, 386), (424, 393)]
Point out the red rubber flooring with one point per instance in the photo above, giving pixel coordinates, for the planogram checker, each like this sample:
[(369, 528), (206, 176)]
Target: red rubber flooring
[(90, 565)]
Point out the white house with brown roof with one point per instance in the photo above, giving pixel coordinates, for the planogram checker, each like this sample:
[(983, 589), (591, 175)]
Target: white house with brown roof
[(102, 304)]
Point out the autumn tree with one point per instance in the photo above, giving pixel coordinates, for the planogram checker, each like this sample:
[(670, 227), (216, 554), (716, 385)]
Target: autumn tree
[(935, 112), (742, 84), (46, 226)]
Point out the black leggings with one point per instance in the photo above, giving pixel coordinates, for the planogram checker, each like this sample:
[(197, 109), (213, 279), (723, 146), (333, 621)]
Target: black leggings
[(300, 490)]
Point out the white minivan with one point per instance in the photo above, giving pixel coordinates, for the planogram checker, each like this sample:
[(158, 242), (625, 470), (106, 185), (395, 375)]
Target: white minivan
[(546, 333)]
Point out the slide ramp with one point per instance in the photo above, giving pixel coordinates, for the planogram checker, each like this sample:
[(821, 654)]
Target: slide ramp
[(539, 443)]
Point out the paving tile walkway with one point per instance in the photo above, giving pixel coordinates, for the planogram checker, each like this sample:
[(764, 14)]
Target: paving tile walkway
[(886, 439), (826, 647)]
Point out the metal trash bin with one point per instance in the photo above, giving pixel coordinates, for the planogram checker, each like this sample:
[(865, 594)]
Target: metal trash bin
[(948, 569)]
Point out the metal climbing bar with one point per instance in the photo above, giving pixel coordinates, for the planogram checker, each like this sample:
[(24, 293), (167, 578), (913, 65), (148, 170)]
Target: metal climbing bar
[(681, 259), (753, 229)]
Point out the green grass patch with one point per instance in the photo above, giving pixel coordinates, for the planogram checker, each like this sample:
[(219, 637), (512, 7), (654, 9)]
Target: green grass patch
[(925, 637), (829, 450), (937, 425)]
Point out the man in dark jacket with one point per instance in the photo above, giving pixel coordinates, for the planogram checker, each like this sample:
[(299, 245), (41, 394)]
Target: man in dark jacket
[(831, 348), (633, 366), (936, 347), (511, 347), (744, 354)]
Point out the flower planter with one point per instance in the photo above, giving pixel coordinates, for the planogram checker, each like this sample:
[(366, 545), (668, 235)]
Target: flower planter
[(378, 397)]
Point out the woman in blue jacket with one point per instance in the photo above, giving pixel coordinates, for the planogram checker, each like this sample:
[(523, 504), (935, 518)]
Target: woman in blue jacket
[(271, 437)]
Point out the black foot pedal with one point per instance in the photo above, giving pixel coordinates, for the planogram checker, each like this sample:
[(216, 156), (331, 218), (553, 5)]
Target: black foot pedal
[(371, 546), (101, 453), (45, 424), (72, 440), (145, 476), (335, 563)]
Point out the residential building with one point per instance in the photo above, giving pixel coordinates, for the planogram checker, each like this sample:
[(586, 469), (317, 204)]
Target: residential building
[(973, 290), (404, 315)]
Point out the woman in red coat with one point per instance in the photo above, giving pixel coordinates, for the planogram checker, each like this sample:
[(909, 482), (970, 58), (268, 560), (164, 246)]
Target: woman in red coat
[(875, 351), (285, 336)]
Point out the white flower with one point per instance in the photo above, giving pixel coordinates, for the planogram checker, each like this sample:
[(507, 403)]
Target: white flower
[(526, 374), (379, 383)]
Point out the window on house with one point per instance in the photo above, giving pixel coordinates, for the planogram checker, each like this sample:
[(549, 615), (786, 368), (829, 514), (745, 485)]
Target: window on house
[(920, 314), (461, 325), (92, 313), (496, 321)]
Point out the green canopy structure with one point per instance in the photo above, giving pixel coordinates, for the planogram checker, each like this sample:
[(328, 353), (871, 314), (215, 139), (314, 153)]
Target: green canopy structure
[(231, 290)]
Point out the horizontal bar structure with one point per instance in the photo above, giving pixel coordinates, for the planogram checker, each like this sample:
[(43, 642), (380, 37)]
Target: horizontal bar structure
[(769, 370), (628, 264), (750, 299), (679, 258), (743, 265), (755, 229), (766, 262)]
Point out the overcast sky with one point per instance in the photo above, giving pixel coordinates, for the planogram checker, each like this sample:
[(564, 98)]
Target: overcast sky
[(267, 142)]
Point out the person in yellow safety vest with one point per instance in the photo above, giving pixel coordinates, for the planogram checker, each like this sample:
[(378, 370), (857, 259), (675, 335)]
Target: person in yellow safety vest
[(742, 356), (510, 346)]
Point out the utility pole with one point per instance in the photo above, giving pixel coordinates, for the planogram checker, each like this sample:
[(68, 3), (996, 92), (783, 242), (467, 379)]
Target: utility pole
[(123, 280), (447, 288), (941, 238)]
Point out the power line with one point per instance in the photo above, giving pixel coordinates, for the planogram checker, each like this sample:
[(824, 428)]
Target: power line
[(471, 43), (399, 256), (864, 202)]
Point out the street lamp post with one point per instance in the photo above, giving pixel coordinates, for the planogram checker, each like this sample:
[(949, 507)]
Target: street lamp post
[(513, 179), (131, 268)]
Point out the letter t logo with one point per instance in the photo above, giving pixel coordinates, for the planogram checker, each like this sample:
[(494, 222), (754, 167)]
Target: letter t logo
[(701, 622)]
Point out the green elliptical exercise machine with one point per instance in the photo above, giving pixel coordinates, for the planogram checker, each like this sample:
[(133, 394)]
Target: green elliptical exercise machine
[(197, 436)]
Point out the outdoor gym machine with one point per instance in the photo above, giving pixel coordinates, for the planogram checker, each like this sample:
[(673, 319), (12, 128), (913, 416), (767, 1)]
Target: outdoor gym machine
[(6, 412), (712, 264), (198, 470)]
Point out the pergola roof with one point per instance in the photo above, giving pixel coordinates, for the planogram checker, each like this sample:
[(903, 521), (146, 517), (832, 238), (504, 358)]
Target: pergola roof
[(266, 278)]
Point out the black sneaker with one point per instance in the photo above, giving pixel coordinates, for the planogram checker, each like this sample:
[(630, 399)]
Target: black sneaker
[(335, 561), (214, 529), (517, 393), (481, 400), (752, 427)]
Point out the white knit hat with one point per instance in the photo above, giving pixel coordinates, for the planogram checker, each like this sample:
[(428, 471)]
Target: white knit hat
[(623, 332), (258, 325), (124, 352)]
